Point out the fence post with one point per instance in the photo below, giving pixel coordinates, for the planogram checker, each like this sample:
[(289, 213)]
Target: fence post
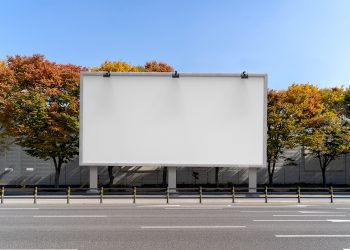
[(331, 191), (200, 194), (134, 195), (2, 195), (233, 194), (265, 194), (35, 194), (101, 195), (68, 195), (167, 195), (298, 194)]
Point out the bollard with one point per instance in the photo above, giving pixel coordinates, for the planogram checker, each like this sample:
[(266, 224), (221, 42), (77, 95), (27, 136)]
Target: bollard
[(68, 195), (331, 192), (2, 195), (101, 195), (35, 194), (298, 190), (265, 194), (134, 194), (200, 194), (233, 194), (167, 195)]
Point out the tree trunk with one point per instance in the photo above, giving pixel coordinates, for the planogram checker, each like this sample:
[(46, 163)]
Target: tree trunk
[(323, 165), (111, 176), (271, 171), (165, 172), (57, 177), (270, 180), (323, 176), (216, 177), (58, 164)]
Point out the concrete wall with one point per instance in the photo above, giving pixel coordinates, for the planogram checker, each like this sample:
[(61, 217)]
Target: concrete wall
[(293, 168)]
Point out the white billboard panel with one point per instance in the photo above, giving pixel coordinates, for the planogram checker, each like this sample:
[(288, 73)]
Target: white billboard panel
[(155, 119)]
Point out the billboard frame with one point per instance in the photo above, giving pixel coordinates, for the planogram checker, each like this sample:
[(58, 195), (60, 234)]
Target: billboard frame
[(170, 74)]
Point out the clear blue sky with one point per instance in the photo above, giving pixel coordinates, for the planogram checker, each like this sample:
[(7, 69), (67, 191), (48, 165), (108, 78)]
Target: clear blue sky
[(292, 41)]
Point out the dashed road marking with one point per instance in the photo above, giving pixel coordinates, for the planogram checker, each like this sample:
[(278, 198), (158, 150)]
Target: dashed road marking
[(313, 236), (190, 227), (70, 216)]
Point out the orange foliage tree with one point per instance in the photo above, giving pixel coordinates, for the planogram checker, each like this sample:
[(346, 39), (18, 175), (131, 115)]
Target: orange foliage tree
[(321, 126), (40, 107), (154, 66)]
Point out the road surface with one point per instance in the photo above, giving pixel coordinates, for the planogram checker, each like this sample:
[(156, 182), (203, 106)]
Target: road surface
[(185, 226)]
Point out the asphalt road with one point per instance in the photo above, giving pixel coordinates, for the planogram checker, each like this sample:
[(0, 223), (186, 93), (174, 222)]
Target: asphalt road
[(236, 226)]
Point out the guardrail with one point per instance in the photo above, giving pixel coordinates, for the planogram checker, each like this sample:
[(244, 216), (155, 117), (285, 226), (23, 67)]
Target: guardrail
[(266, 194)]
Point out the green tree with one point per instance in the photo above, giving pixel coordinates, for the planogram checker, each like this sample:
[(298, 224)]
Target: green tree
[(41, 108)]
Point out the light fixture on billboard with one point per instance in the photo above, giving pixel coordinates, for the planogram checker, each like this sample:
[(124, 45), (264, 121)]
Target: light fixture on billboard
[(175, 74), (244, 75), (107, 74)]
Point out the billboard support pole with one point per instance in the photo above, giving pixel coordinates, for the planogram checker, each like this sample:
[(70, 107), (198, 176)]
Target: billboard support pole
[(93, 178), (172, 179), (252, 178)]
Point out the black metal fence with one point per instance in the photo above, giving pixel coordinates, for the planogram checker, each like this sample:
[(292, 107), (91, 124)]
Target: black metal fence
[(266, 194)]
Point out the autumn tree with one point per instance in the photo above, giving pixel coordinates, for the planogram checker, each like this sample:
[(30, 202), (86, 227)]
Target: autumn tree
[(116, 66), (154, 66), (280, 130), (303, 103), (347, 103), (120, 66), (5, 140), (41, 108), (321, 127), (288, 114), (328, 136)]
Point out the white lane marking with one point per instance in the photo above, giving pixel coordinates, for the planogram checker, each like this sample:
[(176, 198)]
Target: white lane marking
[(70, 216), (193, 208), (273, 207), (319, 212), (300, 205), (269, 206), (205, 206), (37, 249), (290, 220), (313, 236), (159, 206), (339, 220), (343, 208), (327, 220), (309, 215), (189, 227), (15, 216), (270, 211), (19, 208)]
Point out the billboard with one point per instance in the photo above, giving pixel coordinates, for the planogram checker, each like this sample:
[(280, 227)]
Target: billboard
[(156, 119)]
